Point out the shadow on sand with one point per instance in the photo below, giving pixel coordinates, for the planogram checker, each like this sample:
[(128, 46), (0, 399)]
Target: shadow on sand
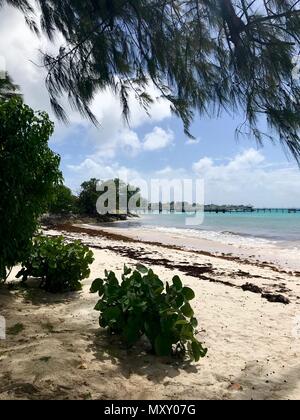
[(280, 386), (32, 293), (137, 360)]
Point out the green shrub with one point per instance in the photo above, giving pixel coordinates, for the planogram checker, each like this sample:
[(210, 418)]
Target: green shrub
[(115, 190), (88, 197), (141, 305), (63, 201), (60, 265), (29, 171)]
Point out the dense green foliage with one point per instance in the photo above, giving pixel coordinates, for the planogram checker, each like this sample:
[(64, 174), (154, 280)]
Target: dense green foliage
[(88, 197), (29, 171), (63, 201), (140, 305), (203, 55), (7, 88), (61, 266), (91, 190)]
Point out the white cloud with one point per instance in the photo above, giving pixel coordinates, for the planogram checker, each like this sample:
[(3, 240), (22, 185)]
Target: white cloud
[(158, 139), (20, 49), (203, 165), (193, 141), (171, 173), (158, 111), (246, 160), (241, 162), (91, 168), (248, 179), (18, 45), (165, 171)]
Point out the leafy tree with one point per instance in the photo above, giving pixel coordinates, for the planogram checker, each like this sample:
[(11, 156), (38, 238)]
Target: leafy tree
[(63, 202), (7, 88), (202, 55), (124, 193), (28, 172), (88, 197), (91, 190)]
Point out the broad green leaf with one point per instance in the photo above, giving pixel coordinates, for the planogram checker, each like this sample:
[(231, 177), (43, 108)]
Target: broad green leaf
[(100, 306), (187, 310), (177, 282), (102, 322), (188, 293), (182, 322), (96, 285), (162, 346), (112, 313), (179, 301), (127, 270), (196, 351), (151, 329), (131, 331), (194, 322), (168, 323), (187, 332), (142, 269)]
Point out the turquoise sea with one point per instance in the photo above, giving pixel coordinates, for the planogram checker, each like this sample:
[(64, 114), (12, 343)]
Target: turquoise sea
[(279, 227)]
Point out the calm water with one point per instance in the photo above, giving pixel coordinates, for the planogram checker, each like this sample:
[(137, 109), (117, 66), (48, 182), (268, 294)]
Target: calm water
[(275, 227)]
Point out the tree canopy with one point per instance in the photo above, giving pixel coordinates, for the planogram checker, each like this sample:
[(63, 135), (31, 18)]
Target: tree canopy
[(63, 201), (29, 171), (88, 197), (201, 55), (7, 88), (91, 190)]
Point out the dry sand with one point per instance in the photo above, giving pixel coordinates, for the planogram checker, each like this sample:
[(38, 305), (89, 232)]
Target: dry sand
[(58, 351)]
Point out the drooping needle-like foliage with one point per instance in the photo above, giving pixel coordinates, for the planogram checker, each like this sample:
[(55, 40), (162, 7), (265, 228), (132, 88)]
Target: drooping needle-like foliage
[(202, 55)]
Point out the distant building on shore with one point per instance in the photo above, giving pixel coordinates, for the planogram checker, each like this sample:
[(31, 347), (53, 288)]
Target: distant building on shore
[(182, 207)]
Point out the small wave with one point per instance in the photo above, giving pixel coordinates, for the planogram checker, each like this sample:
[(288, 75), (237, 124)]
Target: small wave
[(228, 232), (226, 237), (249, 236)]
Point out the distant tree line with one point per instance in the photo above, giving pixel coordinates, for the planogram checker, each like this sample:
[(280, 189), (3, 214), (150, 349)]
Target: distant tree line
[(64, 202)]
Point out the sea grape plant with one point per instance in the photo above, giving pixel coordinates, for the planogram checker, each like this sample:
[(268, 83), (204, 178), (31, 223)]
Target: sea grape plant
[(60, 265), (142, 305), (29, 174)]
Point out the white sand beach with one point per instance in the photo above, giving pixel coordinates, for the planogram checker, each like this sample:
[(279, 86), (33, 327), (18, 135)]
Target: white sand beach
[(256, 250), (61, 353)]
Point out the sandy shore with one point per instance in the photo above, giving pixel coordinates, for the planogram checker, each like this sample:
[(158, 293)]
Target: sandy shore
[(283, 255), (55, 349)]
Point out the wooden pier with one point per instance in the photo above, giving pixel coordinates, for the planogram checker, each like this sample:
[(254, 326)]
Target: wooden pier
[(253, 210), (222, 210)]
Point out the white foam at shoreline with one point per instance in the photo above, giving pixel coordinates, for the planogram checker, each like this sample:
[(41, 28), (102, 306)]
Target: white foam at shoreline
[(227, 238)]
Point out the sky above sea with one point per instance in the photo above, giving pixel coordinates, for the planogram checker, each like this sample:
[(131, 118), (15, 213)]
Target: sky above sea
[(235, 170)]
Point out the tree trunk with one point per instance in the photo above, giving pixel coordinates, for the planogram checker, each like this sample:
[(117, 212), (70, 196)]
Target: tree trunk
[(235, 24)]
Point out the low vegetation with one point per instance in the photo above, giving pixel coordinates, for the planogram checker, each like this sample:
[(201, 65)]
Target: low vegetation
[(114, 190), (60, 265), (141, 305), (29, 172), (63, 201)]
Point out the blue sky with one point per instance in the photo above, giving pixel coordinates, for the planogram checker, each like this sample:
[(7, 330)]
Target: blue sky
[(234, 171)]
